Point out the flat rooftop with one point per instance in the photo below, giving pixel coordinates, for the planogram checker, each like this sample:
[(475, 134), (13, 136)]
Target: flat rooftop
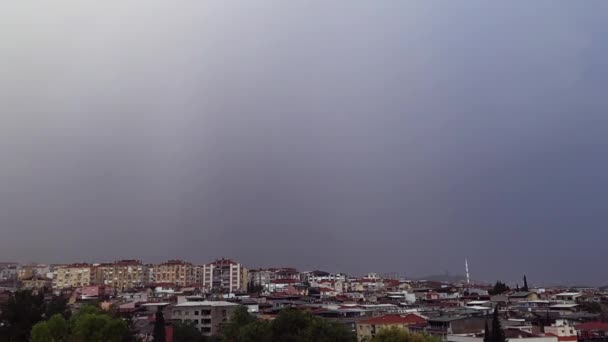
[(205, 303)]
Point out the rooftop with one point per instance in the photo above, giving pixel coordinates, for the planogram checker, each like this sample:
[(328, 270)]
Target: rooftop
[(395, 319), (205, 303)]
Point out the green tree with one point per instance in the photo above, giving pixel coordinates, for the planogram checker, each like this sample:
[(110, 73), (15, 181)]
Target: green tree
[(19, 314), (525, 288), (392, 334), (290, 325), (257, 331), (159, 326), (53, 330), (240, 318), (90, 324), (57, 305), (91, 327), (591, 307), (58, 327), (297, 325), (186, 332), (42, 333), (499, 288)]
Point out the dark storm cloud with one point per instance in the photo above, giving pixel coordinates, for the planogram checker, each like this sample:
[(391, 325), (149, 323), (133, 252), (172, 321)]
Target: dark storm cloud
[(354, 136)]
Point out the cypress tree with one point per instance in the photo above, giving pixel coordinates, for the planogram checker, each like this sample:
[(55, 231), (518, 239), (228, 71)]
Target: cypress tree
[(498, 335), (486, 333), (159, 326), (526, 284)]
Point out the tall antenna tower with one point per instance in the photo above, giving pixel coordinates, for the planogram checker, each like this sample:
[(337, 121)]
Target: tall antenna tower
[(466, 268)]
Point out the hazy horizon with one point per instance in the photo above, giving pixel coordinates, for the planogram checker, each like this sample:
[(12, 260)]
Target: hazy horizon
[(354, 136)]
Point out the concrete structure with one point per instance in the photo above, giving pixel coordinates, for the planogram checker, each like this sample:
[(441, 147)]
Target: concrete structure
[(562, 329), (207, 316), (568, 297)]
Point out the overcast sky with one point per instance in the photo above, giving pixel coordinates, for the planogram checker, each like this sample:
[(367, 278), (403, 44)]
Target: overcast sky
[(348, 136)]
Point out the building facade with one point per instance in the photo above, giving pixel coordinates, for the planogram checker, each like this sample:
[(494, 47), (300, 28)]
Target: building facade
[(176, 272), (122, 275), (72, 276), (207, 316), (223, 275)]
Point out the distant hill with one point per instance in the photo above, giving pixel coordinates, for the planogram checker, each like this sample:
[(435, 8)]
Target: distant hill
[(448, 278), (443, 278)]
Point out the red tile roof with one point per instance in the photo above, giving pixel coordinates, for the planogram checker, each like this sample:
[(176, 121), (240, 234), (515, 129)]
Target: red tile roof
[(395, 319)]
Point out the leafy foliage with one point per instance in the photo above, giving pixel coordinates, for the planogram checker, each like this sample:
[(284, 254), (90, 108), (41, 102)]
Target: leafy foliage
[(90, 324), (591, 307), (19, 314), (291, 325), (499, 288), (186, 332)]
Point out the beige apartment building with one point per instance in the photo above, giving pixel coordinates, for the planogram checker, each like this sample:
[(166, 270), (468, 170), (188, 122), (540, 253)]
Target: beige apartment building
[(31, 270), (122, 275), (176, 272), (72, 276)]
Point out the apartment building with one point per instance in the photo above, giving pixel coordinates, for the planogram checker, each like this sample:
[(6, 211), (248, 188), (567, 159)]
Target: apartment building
[(223, 275), (31, 270), (72, 276), (122, 274), (207, 316), (36, 282), (176, 272), (8, 271)]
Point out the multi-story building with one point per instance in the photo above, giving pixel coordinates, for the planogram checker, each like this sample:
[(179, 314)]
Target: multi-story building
[(31, 270), (176, 272), (316, 276), (223, 275), (8, 271), (72, 276), (266, 277), (207, 316), (261, 277), (36, 282), (122, 275)]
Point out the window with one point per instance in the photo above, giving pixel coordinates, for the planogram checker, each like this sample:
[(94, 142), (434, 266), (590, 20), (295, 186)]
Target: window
[(196, 313)]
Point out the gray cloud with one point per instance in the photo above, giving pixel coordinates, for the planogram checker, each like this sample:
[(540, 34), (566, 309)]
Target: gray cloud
[(355, 136)]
